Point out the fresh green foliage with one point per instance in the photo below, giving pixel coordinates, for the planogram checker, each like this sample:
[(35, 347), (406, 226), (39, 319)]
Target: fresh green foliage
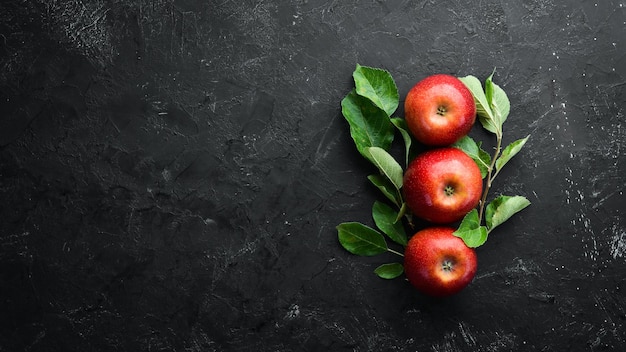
[(378, 86), (369, 125), (473, 149), (387, 188), (406, 136), (386, 219), (389, 271), (367, 109), (498, 102), (493, 107), (509, 152), (502, 208), (387, 165), (470, 230), (360, 239), (483, 107), (492, 103)]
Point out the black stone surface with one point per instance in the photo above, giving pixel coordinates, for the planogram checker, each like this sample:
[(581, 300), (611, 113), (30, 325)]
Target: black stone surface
[(172, 172)]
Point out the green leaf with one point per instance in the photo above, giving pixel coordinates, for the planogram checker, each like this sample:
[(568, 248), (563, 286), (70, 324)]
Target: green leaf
[(386, 220), (471, 148), (386, 187), (360, 239), (509, 152), (378, 86), (483, 106), (369, 125), (387, 165), (406, 136), (402, 212), (389, 271), (470, 230), (485, 159), (500, 104), (502, 208), (489, 89)]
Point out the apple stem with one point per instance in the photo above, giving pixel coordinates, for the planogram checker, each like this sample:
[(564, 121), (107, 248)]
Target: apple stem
[(490, 176)]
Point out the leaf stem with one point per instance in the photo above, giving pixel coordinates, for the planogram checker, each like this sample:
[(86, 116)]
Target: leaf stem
[(490, 175), (395, 252)]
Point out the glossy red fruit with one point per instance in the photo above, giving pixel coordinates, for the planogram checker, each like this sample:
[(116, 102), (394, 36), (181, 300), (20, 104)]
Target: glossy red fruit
[(439, 110), (438, 263), (442, 185)]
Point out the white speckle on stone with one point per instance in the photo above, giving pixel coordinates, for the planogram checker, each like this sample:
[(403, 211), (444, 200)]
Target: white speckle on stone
[(618, 245), (294, 312), (166, 174)]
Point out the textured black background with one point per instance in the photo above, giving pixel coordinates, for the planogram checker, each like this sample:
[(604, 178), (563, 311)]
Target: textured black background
[(172, 173)]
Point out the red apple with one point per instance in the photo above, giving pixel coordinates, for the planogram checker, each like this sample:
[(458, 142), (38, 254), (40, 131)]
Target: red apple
[(438, 263), (439, 110), (442, 185)]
